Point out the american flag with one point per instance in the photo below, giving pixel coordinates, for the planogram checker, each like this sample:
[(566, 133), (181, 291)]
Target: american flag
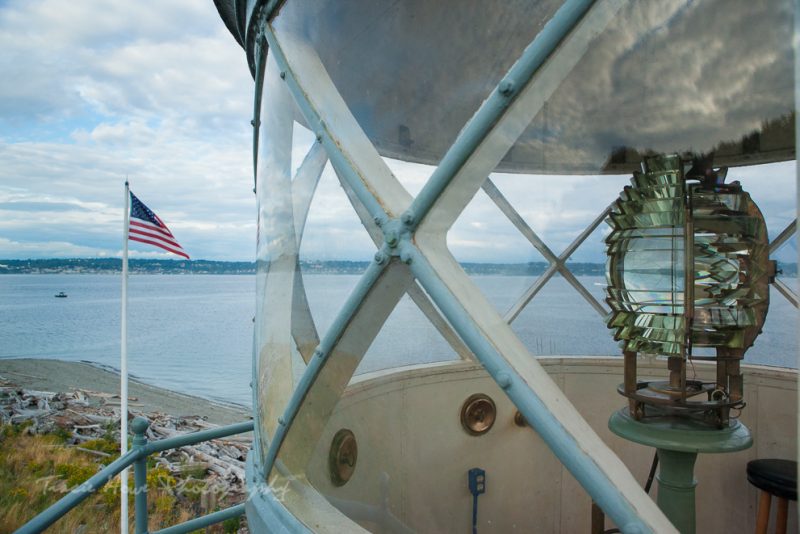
[(146, 227)]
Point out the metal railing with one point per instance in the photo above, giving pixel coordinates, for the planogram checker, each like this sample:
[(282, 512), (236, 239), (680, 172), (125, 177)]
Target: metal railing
[(137, 457)]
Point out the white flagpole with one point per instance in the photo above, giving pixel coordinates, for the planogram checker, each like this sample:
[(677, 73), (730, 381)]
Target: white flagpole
[(123, 438)]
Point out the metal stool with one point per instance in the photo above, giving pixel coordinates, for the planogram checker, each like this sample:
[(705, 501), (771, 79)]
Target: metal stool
[(773, 477)]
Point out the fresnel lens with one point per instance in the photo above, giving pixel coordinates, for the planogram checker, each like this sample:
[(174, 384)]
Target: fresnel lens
[(688, 278)]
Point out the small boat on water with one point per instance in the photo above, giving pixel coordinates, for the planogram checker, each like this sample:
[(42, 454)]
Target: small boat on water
[(61, 295)]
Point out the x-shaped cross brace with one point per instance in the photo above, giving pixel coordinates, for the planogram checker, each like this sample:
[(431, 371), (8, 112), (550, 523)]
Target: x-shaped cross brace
[(411, 235)]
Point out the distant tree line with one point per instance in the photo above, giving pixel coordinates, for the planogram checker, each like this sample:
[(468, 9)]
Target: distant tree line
[(114, 265), (142, 266)]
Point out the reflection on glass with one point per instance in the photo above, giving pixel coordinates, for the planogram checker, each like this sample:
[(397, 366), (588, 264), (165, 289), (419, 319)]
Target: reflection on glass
[(411, 75), (658, 80)]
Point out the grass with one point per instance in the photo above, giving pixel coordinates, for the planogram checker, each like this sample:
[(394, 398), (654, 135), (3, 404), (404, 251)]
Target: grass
[(37, 470)]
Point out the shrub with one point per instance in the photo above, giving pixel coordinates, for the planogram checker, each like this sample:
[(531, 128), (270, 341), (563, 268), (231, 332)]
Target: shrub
[(75, 474)]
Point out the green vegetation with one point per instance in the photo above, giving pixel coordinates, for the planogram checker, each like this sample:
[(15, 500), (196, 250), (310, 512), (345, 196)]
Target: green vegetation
[(103, 445), (37, 470)]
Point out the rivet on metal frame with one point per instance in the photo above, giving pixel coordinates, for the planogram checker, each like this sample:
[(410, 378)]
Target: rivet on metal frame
[(342, 457), (519, 419), (478, 414)]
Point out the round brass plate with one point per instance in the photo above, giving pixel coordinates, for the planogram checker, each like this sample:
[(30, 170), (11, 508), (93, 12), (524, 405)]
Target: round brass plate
[(342, 457), (478, 414)]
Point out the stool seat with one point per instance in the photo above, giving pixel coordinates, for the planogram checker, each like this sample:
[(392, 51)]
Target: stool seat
[(778, 477)]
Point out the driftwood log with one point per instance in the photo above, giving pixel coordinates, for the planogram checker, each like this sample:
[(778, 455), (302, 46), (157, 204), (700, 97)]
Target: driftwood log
[(88, 415)]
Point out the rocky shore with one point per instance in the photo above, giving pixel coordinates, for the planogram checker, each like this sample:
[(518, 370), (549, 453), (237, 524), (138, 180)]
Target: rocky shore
[(73, 401), (62, 376)]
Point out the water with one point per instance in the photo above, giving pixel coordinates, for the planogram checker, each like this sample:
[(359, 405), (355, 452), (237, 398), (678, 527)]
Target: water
[(188, 333), (193, 333)]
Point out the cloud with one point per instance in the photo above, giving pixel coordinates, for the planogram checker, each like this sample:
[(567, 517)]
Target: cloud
[(45, 249), (159, 92), (559, 208), (118, 57), (36, 206)]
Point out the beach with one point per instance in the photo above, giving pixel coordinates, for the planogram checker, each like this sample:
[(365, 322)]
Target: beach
[(62, 376)]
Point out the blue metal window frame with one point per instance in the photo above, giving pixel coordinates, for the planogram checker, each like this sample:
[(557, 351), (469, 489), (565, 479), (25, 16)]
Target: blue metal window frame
[(398, 243)]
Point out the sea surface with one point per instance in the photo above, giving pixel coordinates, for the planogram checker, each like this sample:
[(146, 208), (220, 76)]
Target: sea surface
[(193, 333)]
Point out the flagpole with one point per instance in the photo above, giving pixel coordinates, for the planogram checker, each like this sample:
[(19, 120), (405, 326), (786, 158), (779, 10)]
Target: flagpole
[(123, 437)]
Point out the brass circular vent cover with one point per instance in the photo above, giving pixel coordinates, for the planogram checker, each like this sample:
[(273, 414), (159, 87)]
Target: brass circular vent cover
[(478, 414), (342, 457)]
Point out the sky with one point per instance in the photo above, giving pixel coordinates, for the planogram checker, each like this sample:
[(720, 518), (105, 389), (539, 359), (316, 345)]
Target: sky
[(158, 92)]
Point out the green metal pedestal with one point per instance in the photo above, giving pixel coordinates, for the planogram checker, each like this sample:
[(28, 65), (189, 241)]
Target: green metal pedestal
[(678, 441)]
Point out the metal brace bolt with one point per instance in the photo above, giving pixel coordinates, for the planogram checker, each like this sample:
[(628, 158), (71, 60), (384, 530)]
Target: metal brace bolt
[(283, 75), (378, 221), (408, 218), (391, 238), (380, 258), (405, 257), (506, 87), (503, 380)]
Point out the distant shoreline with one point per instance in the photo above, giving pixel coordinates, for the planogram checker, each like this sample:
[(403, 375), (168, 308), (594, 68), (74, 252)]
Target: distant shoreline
[(144, 266), (63, 376), (308, 267)]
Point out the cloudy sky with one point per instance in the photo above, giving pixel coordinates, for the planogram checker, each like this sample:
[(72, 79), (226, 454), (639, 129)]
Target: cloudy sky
[(94, 91)]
